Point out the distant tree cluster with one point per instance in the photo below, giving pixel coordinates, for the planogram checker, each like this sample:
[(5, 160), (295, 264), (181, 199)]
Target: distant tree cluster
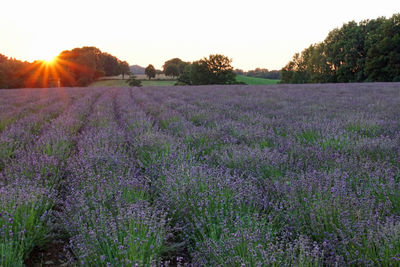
[(86, 64), (15, 73), (261, 73), (368, 51), (174, 67), (77, 67), (216, 69)]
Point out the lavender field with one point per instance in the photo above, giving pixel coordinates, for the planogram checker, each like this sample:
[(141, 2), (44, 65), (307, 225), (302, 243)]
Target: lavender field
[(281, 175)]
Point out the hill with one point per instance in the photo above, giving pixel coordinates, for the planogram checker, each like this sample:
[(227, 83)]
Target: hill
[(136, 69)]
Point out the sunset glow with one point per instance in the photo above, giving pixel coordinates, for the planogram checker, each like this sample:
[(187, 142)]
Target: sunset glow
[(49, 60), (254, 34)]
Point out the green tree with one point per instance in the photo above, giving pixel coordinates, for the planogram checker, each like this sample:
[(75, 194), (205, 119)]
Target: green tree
[(199, 73), (356, 52), (132, 81), (220, 69), (383, 59), (150, 71), (216, 69), (295, 71), (174, 67), (186, 75)]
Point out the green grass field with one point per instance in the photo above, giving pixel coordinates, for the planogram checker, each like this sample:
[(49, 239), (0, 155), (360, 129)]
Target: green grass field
[(255, 81), (122, 83)]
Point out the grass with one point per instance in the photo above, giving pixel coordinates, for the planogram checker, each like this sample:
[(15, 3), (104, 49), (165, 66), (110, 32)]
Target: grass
[(254, 80), (122, 83), (23, 228)]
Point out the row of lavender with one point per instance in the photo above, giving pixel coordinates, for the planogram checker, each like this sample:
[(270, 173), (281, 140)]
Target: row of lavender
[(108, 211), (34, 153), (286, 175)]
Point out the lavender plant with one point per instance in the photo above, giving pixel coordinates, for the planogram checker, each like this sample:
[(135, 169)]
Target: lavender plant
[(284, 175)]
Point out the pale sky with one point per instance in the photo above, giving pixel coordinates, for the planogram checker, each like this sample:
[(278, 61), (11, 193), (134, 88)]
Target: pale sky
[(253, 33)]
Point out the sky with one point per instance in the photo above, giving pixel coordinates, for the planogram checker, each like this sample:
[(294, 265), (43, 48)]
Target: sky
[(253, 33)]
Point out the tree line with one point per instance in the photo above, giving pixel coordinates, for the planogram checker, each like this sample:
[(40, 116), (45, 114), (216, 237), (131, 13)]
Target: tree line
[(368, 51), (76, 67)]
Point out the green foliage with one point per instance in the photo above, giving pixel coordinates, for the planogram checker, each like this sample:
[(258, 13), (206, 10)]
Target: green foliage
[(383, 57), (133, 82), (261, 73), (143, 242), (265, 143), (6, 121), (164, 124), (364, 129), (24, 227), (174, 67), (216, 69), (60, 149), (149, 154), (356, 52), (308, 137), (150, 71)]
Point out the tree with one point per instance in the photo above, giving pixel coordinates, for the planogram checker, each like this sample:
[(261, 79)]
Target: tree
[(132, 81), (174, 67), (76, 67), (124, 68), (356, 52), (219, 69), (84, 65), (150, 71), (239, 72), (262, 73), (383, 58), (199, 73), (216, 69)]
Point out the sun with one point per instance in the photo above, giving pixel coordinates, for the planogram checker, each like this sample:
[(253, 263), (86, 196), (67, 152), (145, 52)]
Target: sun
[(49, 60)]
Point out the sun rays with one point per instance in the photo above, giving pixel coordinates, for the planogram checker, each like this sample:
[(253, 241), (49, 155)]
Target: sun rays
[(53, 72)]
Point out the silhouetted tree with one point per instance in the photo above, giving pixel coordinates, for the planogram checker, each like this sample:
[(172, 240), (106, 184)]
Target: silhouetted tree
[(124, 68), (76, 67), (150, 71), (86, 64), (174, 67)]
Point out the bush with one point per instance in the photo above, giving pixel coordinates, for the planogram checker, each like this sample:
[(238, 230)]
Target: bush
[(133, 82)]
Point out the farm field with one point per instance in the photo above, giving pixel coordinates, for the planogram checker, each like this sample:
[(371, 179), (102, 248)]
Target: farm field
[(277, 175), (139, 77), (145, 82), (254, 80), (122, 83)]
